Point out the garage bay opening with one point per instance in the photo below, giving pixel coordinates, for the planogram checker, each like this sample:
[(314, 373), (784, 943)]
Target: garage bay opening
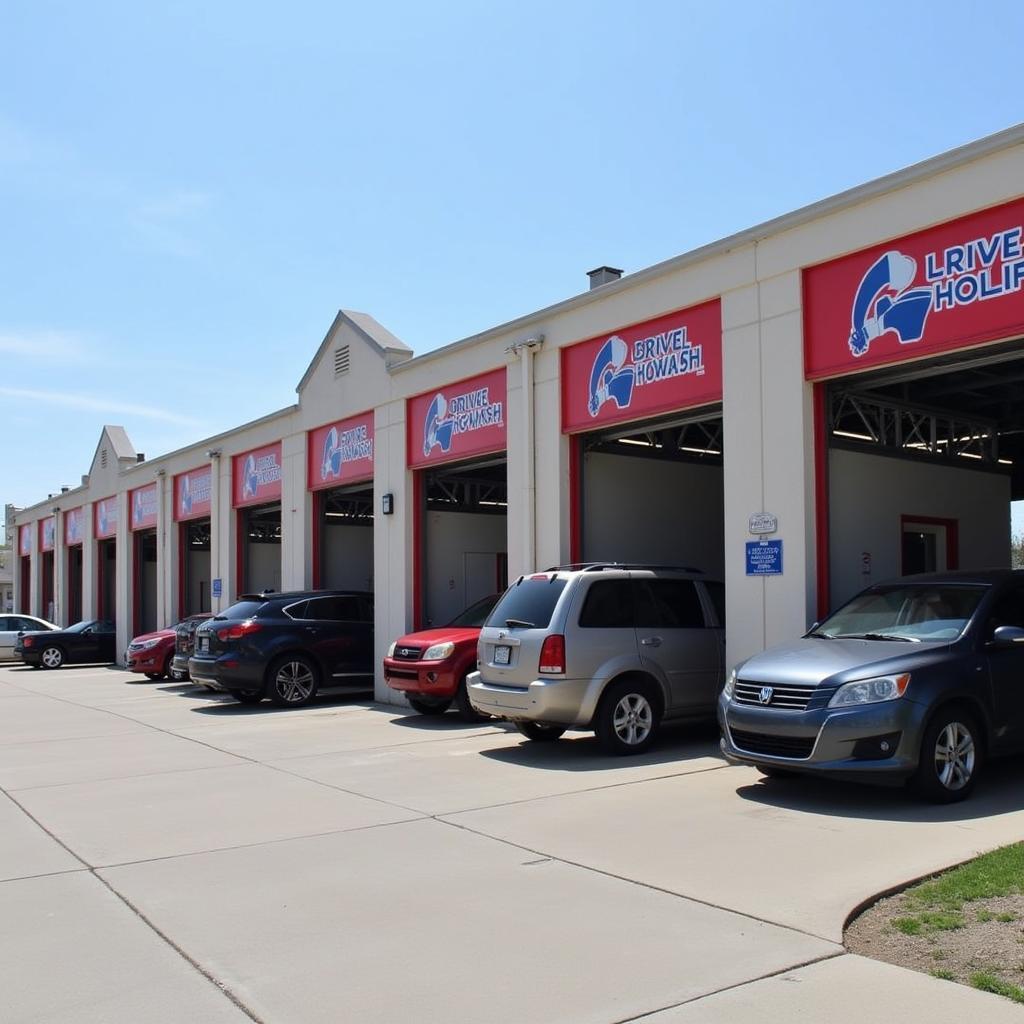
[(345, 538), (74, 584), (195, 567), (924, 461), (259, 549)]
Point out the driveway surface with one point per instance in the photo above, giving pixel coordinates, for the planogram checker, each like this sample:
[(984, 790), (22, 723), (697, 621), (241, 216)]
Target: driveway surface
[(167, 855)]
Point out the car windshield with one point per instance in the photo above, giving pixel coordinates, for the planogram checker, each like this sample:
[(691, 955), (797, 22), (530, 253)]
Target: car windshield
[(933, 612), (241, 610), (528, 603), (476, 614)]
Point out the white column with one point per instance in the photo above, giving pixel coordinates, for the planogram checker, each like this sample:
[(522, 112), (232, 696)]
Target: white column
[(294, 515), (166, 563), (124, 597), (60, 597), (90, 583)]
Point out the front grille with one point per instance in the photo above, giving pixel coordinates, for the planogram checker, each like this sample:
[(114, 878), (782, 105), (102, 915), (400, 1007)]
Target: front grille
[(786, 698), (133, 648), (402, 673), (797, 747), (407, 653)]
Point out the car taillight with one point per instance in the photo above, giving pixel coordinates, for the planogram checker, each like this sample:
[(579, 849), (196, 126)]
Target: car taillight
[(237, 632), (552, 655), (27, 642)]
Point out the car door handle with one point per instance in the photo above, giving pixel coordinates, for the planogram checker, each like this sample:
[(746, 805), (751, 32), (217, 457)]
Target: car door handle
[(651, 641)]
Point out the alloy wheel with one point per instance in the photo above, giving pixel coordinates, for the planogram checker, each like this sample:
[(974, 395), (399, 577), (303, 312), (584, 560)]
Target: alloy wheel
[(633, 719), (955, 756), (52, 658), (294, 682)]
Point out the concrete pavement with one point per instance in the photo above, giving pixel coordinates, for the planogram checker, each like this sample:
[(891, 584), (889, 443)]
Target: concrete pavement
[(185, 858)]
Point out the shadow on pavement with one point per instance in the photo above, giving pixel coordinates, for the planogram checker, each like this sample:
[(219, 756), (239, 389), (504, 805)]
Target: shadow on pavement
[(448, 722), (999, 791), (225, 706), (581, 752)]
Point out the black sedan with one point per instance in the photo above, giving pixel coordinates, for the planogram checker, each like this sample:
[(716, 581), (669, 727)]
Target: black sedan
[(90, 641)]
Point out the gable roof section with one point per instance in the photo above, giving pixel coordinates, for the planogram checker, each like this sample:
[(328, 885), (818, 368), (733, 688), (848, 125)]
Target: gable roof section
[(117, 442), (379, 338)]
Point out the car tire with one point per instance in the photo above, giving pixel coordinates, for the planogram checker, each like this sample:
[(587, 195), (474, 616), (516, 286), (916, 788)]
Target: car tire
[(540, 733), (467, 712), (293, 681), (429, 707), (951, 757), (628, 716), (51, 657), (246, 698)]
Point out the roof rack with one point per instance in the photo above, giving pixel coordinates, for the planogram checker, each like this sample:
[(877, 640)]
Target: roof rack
[(598, 566)]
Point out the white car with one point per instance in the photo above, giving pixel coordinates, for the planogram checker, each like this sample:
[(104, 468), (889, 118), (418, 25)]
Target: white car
[(11, 626)]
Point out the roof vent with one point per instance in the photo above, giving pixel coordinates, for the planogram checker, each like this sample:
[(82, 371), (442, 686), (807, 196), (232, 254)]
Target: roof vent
[(341, 361), (103, 458), (141, 457), (64, 488), (603, 275)]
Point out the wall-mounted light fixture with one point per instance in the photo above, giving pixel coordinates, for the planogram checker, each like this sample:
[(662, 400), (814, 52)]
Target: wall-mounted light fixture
[(387, 504), (213, 453)]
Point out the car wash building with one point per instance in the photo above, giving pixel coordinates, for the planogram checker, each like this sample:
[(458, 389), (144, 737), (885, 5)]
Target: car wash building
[(815, 404)]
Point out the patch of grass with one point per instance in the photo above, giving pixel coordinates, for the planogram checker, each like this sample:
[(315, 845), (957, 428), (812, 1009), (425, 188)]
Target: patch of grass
[(943, 975), (939, 954), (990, 983), (907, 925), (928, 921), (1005, 918), (998, 873), (985, 916)]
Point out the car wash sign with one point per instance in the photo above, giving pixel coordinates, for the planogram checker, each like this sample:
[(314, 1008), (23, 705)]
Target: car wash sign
[(106, 515), (673, 362), (192, 494), (25, 541), (143, 502), (47, 533), (458, 421), (340, 453), (257, 476), (74, 526), (955, 285)]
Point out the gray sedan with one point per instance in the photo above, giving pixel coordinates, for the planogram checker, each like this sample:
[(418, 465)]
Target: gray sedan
[(12, 626)]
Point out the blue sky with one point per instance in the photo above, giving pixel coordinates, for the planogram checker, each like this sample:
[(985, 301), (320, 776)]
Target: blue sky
[(189, 191)]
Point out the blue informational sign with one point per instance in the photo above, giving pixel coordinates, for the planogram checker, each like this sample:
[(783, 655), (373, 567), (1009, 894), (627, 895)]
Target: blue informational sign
[(764, 557), (217, 589)]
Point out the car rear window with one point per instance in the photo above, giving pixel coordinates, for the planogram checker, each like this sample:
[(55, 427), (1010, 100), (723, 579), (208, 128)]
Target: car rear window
[(530, 601), (241, 610)]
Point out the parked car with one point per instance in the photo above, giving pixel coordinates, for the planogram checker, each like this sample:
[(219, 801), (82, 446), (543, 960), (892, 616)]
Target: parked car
[(184, 643), (613, 648), (152, 654), (12, 626), (288, 647), (430, 667), (916, 679), (93, 640)]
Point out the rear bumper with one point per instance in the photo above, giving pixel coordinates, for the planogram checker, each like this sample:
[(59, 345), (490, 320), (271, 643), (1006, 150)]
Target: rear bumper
[(841, 743), (426, 678), (565, 702), (179, 665), (238, 675)]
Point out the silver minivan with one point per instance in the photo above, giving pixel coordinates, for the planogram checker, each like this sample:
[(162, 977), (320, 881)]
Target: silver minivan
[(613, 648)]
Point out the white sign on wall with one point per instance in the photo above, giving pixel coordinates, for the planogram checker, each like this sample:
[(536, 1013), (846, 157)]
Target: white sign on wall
[(763, 522)]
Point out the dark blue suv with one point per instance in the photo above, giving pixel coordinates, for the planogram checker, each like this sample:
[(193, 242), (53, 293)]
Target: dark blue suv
[(288, 647)]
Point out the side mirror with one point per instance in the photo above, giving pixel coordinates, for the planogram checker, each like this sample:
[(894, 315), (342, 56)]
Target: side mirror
[(87, 631), (1008, 636)]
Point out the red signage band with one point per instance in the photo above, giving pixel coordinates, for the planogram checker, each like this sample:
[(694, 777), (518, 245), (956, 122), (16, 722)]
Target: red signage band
[(948, 287), (340, 453), (74, 526), (47, 533), (256, 476), (672, 362), (143, 505), (105, 516), (25, 540), (193, 494), (469, 417)]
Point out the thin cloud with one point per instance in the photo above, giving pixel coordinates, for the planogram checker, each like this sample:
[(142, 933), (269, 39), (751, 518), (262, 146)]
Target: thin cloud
[(51, 345), (67, 400)]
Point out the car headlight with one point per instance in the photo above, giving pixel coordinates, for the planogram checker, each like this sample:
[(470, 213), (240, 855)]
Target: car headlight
[(144, 645), (438, 652), (391, 649), (870, 691), (730, 685)]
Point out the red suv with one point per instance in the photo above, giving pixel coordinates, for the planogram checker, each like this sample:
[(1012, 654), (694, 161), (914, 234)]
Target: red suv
[(430, 667)]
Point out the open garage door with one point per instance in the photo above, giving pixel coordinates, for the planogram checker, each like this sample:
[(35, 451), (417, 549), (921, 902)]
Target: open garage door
[(340, 475), (923, 464), (654, 493), (192, 506), (465, 537), (456, 445)]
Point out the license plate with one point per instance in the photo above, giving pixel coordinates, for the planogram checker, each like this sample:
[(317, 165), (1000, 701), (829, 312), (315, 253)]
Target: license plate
[(502, 655), (204, 644)]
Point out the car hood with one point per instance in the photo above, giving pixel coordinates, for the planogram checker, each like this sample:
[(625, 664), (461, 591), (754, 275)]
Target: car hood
[(812, 661), (441, 635), (160, 634)]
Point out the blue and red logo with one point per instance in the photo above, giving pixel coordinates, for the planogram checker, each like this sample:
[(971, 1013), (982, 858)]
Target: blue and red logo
[(886, 302), (341, 447), (463, 414)]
